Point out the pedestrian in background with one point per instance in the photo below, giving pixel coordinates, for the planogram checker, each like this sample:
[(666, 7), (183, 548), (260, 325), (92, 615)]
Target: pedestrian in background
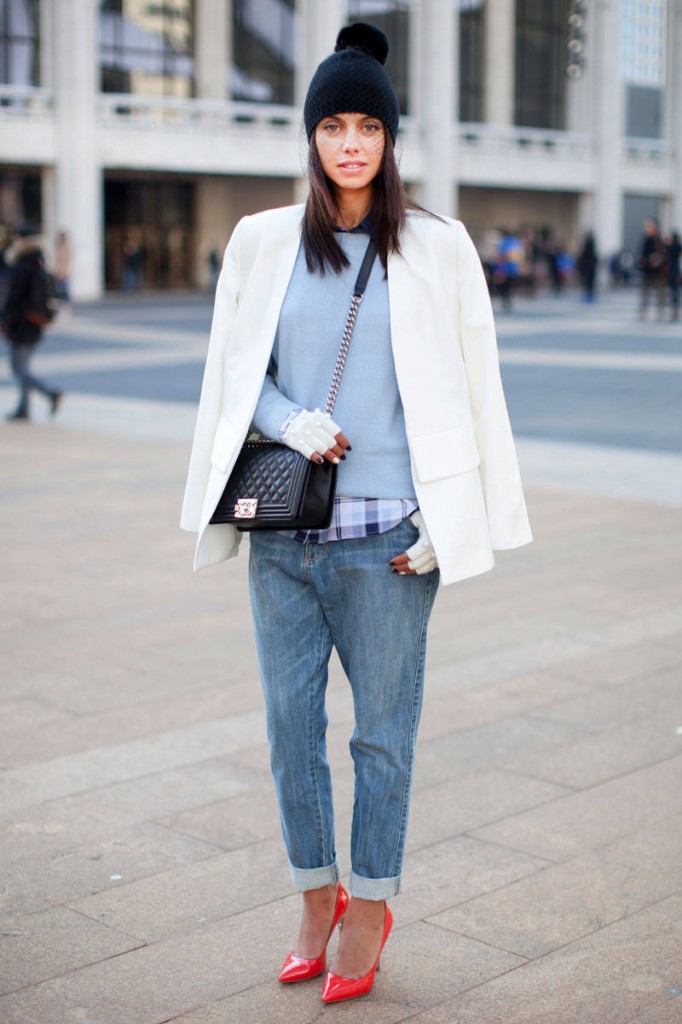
[(25, 261), (587, 264), (508, 266), (430, 486), (672, 271), (652, 269), (132, 266)]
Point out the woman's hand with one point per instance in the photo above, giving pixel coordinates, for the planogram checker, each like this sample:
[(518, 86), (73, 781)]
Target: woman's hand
[(421, 557), (316, 436)]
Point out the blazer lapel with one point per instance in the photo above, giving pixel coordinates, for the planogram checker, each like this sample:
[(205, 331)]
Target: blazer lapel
[(411, 303)]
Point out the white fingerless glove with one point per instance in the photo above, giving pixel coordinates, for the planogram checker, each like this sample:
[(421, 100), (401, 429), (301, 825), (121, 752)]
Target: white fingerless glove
[(421, 556), (311, 432)]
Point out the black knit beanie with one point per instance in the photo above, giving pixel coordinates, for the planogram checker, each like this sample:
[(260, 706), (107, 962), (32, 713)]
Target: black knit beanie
[(353, 80)]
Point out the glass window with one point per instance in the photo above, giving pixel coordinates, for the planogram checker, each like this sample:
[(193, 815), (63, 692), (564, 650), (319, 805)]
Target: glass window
[(471, 60), (643, 112), (263, 50), (643, 66), (393, 18), (19, 42), (642, 32), (541, 38), (147, 48)]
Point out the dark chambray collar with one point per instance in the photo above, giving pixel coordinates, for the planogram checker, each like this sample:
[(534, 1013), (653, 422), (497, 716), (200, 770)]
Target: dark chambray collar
[(364, 227)]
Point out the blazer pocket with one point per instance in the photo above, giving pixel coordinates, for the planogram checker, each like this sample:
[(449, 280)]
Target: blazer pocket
[(224, 443), (445, 453)]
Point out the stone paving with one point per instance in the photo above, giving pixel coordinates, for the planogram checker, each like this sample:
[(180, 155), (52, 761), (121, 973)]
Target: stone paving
[(143, 876)]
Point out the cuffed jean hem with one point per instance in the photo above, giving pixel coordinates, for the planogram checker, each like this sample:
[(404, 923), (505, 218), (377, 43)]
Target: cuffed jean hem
[(314, 878), (373, 888)]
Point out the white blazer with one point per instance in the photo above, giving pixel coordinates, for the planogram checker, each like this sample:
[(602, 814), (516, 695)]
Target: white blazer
[(464, 465)]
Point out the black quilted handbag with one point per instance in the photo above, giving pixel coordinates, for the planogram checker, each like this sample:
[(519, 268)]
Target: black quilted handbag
[(273, 487)]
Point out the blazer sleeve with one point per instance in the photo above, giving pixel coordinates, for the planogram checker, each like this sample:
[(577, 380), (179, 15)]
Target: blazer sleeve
[(210, 402), (499, 469)]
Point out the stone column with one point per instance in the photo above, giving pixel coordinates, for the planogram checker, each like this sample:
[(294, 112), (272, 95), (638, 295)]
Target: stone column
[(78, 174), (318, 24), (609, 127), (674, 89), (438, 103), (212, 56), (499, 61)]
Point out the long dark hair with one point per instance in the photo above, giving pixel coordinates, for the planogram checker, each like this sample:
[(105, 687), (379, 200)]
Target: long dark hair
[(389, 208)]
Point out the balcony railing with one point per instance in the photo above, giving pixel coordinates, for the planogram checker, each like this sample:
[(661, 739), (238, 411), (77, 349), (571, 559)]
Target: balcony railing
[(647, 151), (18, 101), (511, 140), (129, 111)]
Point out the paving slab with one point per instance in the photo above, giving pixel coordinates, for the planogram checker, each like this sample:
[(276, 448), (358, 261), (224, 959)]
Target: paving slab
[(82, 863), (463, 804), (589, 819), (154, 983), (609, 977), (555, 905), (607, 754), (186, 897), (33, 946)]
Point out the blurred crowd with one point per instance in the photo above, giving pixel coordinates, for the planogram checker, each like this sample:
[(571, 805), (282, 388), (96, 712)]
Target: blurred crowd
[(525, 261)]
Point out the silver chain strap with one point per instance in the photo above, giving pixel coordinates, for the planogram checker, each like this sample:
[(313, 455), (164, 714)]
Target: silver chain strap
[(343, 354)]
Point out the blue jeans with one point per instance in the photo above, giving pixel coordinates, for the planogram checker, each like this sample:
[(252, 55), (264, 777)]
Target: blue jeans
[(306, 599), (20, 358)]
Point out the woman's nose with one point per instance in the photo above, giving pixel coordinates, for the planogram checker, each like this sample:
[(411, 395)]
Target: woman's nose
[(350, 141)]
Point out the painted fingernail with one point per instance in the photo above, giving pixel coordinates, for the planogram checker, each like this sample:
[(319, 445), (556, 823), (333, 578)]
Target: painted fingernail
[(343, 456), (336, 461), (348, 448), (320, 460)]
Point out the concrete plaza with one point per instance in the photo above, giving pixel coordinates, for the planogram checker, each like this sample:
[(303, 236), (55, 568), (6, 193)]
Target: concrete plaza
[(143, 876)]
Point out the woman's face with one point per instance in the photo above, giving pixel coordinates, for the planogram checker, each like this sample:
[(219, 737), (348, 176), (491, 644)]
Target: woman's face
[(351, 147)]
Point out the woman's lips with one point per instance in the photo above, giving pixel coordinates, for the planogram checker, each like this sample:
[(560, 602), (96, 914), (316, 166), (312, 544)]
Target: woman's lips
[(352, 165)]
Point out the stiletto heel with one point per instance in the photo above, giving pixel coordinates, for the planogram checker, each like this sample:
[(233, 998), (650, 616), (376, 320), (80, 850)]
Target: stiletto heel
[(336, 988), (299, 968)]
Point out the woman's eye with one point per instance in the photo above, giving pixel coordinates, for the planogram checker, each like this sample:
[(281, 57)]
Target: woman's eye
[(371, 126), (331, 127)]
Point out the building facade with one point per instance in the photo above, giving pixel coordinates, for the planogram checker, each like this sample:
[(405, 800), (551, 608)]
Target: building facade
[(151, 127)]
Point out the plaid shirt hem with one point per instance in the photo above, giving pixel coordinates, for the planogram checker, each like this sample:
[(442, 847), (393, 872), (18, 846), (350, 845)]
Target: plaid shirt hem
[(354, 518)]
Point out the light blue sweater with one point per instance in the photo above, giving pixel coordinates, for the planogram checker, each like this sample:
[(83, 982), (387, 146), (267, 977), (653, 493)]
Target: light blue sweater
[(368, 409)]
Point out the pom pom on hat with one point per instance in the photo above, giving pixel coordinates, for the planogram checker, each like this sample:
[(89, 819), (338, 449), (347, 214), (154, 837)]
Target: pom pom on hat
[(363, 37), (353, 80)]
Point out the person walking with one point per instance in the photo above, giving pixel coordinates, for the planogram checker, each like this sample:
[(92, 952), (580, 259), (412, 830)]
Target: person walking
[(428, 482), (25, 261), (652, 269), (586, 265)]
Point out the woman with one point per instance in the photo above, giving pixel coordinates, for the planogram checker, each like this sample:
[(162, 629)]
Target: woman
[(427, 477)]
